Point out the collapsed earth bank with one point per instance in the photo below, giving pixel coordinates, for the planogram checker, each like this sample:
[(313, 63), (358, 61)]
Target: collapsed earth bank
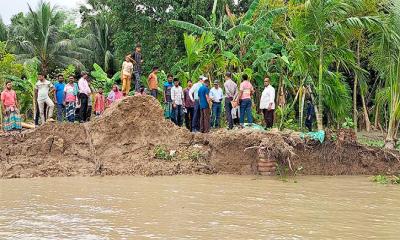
[(133, 138)]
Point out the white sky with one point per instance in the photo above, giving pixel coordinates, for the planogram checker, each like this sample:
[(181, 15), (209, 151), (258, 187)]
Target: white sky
[(8, 8)]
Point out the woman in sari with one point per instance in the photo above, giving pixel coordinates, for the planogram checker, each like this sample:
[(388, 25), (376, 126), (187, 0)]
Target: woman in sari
[(70, 99), (9, 102), (115, 95)]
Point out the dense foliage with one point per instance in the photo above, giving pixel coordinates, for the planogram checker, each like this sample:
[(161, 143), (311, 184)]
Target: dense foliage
[(344, 55)]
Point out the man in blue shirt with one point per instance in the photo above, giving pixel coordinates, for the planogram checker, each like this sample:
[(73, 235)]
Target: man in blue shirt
[(59, 97), (204, 100), (194, 96)]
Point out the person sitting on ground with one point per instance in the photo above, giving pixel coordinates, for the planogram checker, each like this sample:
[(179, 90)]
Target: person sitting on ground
[(42, 90), (126, 75), (70, 99), (59, 97), (245, 93), (216, 96), (204, 100), (267, 103), (115, 95), (9, 104), (167, 96), (153, 82), (189, 106), (142, 91), (177, 103), (194, 96)]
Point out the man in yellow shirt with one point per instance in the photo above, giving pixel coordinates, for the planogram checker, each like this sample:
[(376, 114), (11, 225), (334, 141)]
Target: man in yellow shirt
[(153, 82)]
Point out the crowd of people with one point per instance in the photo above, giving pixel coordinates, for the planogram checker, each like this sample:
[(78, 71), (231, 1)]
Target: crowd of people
[(199, 106)]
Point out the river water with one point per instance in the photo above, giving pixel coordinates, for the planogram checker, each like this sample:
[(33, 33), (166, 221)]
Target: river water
[(198, 207)]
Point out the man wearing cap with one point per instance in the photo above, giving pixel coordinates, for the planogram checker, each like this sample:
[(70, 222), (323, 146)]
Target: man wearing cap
[(216, 96), (194, 96), (231, 91), (137, 65)]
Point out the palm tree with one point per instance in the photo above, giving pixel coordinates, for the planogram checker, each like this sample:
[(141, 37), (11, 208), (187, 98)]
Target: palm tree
[(323, 26), (37, 36), (96, 19), (386, 49), (3, 31), (100, 42)]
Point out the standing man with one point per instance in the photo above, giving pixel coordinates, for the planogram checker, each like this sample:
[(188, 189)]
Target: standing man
[(137, 65), (194, 96), (245, 94), (42, 90), (127, 69), (231, 92), (204, 100), (153, 82), (216, 96), (59, 97), (189, 106), (177, 103), (9, 104), (267, 103), (84, 94), (167, 96), (309, 115)]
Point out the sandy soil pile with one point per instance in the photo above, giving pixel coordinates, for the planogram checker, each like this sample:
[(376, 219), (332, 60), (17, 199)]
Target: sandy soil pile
[(133, 138)]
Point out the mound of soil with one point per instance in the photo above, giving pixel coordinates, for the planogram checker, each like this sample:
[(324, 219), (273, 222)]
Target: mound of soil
[(133, 138)]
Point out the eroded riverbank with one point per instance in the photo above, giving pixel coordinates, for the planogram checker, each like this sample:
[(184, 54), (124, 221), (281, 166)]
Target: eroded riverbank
[(124, 141)]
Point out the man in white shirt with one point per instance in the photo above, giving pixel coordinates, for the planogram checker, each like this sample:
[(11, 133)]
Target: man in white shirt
[(194, 96), (84, 94), (216, 96), (177, 103), (231, 92), (267, 103), (42, 90)]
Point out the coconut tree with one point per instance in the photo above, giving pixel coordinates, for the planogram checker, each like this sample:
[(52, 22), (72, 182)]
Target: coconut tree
[(37, 36), (3, 31), (322, 26), (386, 49)]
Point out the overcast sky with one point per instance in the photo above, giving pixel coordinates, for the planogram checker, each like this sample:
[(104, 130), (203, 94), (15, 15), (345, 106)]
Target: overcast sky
[(8, 8)]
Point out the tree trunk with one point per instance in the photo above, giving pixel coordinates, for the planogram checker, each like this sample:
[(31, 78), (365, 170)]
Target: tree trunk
[(303, 97), (365, 111), (355, 84), (376, 124), (320, 90)]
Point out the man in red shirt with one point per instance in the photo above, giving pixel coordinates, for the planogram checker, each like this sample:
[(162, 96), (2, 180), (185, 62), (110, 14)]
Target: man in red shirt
[(9, 103)]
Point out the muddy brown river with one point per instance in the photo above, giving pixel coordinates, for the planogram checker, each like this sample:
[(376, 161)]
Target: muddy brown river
[(198, 207)]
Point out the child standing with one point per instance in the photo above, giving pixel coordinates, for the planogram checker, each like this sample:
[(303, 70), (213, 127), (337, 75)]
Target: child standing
[(126, 73), (99, 103)]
